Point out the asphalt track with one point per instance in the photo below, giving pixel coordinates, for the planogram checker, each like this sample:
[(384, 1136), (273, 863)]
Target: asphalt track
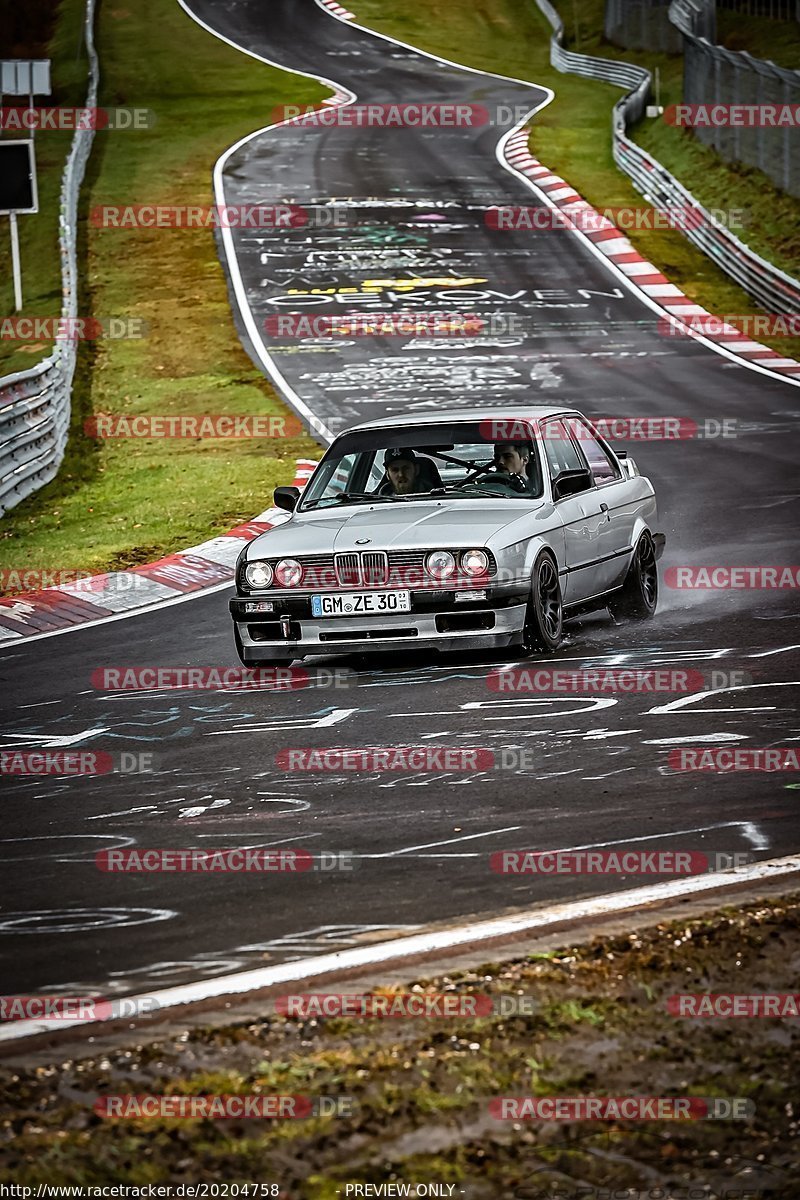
[(595, 771)]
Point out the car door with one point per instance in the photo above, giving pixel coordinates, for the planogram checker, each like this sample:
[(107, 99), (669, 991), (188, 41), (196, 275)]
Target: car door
[(581, 516), (609, 504)]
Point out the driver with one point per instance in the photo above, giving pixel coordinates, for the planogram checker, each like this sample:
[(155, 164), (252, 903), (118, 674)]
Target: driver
[(402, 470), (511, 460)]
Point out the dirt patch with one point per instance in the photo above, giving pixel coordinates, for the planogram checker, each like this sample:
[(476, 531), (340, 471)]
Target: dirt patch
[(596, 1023)]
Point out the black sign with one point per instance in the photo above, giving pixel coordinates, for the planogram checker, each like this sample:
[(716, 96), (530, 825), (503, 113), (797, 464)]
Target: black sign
[(17, 176)]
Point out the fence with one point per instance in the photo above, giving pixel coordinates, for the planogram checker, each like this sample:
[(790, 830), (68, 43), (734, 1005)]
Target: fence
[(770, 287), (641, 25), (776, 10), (35, 404), (713, 75)]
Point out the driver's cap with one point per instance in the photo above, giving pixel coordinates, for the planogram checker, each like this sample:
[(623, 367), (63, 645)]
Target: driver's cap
[(396, 454)]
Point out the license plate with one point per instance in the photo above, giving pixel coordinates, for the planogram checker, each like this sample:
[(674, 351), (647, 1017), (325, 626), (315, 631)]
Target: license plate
[(357, 603)]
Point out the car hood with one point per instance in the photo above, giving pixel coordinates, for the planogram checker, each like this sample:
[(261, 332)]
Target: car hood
[(401, 526)]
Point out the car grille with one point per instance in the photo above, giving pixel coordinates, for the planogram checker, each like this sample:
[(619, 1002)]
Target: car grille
[(368, 569)]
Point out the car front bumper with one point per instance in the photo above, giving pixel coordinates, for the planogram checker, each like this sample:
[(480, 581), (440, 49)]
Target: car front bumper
[(290, 635)]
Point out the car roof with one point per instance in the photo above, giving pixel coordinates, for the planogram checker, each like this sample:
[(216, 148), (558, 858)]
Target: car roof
[(508, 412)]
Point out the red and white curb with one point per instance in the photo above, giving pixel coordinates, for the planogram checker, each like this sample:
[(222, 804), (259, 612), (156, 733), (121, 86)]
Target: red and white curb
[(209, 565), (343, 14), (619, 251)]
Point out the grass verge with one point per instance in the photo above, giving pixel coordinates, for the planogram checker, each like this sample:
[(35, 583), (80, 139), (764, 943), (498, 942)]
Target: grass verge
[(117, 503), (596, 1023), (572, 135)]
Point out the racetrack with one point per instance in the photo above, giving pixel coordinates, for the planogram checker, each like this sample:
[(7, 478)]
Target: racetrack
[(596, 771)]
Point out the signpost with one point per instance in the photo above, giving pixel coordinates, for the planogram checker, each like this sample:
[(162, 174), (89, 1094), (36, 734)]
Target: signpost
[(18, 191)]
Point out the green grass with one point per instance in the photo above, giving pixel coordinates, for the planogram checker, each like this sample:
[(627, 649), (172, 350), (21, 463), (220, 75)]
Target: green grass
[(778, 41), (116, 503), (572, 135)]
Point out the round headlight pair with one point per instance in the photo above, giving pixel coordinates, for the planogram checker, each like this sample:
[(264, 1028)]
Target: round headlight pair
[(288, 573), (441, 564)]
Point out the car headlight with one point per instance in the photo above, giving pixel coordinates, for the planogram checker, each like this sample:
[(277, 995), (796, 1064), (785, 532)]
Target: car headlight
[(288, 572), (258, 574), (440, 564), (475, 562)]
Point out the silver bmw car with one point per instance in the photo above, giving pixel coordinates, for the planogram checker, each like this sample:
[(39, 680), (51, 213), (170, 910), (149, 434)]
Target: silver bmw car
[(469, 528)]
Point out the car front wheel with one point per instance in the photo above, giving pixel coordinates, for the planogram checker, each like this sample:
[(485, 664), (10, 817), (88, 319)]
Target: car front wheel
[(637, 598), (544, 619)]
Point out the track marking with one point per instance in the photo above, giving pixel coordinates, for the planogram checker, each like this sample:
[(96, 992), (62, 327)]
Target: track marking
[(451, 841)]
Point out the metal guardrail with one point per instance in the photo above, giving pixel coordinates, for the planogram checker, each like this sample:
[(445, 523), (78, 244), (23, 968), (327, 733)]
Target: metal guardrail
[(770, 287), (35, 404), (698, 17)]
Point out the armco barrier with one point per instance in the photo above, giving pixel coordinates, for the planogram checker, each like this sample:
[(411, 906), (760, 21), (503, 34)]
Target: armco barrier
[(35, 404), (770, 287)]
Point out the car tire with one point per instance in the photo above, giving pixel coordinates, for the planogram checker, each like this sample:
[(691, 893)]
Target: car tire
[(544, 619), (260, 664), (637, 599)]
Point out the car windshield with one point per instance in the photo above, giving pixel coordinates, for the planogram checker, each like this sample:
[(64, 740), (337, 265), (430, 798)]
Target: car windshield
[(462, 461)]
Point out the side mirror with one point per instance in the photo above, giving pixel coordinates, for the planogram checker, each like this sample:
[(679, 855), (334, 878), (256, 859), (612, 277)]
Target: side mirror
[(568, 483), (286, 498)]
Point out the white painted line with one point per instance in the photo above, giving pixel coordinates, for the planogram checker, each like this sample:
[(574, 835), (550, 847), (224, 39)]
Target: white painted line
[(437, 941), (470, 837), (749, 831), (560, 193)]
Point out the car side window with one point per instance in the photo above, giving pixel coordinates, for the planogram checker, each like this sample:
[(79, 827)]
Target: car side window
[(559, 448), (342, 476), (602, 466)]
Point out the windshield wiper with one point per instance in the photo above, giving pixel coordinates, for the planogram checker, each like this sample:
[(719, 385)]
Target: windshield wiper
[(355, 497), (480, 491)]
